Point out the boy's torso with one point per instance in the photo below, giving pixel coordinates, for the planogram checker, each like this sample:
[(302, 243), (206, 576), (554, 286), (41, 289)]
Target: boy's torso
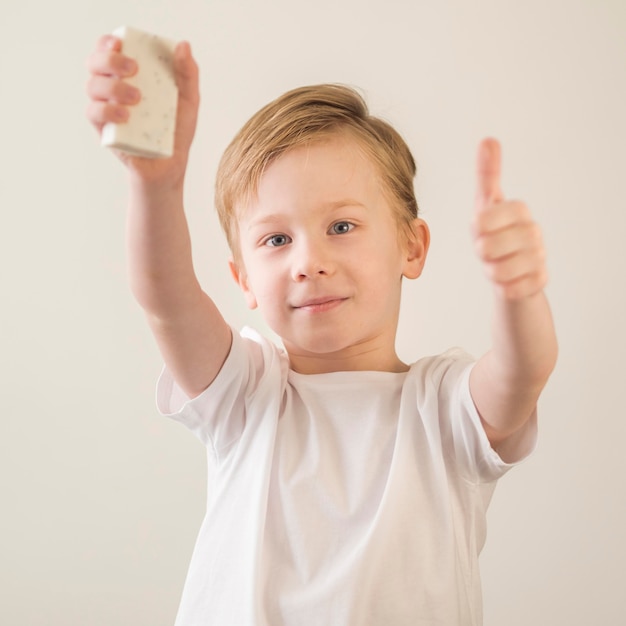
[(341, 501)]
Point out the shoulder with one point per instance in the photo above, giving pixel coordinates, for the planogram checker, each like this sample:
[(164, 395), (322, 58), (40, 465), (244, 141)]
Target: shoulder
[(251, 362), (247, 387), (262, 356), (448, 367)]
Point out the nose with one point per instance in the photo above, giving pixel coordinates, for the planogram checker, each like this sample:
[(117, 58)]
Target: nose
[(311, 259)]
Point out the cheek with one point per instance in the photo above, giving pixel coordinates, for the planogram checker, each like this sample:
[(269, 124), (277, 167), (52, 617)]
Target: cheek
[(262, 286), (382, 265), (386, 284)]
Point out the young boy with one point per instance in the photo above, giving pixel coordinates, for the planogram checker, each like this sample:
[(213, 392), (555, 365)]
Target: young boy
[(347, 487)]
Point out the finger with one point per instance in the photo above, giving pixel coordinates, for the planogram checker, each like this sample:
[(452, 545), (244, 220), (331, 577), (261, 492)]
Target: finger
[(109, 42), (488, 171), (511, 241), (101, 113), (186, 70), (505, 215), (109, 60), (524, 286), (111, 89), (523, 266), (109, 63)]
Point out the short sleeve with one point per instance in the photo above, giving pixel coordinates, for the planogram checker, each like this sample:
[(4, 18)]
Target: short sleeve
[(217, 415), (462, 427)]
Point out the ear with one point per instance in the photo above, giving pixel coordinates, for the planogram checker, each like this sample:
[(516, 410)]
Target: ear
[(239, 274), (417, 240)]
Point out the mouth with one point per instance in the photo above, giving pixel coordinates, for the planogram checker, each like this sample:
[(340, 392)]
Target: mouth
[(319, 305)]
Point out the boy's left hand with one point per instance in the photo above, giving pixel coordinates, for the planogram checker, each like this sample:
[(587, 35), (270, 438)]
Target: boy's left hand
[(507, 240)]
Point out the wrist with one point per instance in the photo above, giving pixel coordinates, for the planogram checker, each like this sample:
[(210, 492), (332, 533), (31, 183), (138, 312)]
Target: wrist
[(155, 187)]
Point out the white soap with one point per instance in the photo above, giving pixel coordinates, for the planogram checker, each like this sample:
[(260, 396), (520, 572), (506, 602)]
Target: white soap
[(149, 131)]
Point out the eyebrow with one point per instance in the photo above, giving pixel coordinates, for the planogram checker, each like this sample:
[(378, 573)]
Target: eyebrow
[(267, 219), (339, 204)]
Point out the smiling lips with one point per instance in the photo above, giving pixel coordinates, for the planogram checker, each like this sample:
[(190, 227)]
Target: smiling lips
[(319, 305)]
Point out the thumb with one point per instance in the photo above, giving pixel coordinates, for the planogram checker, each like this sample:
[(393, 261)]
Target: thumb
[(187, 74), (489, 162), (186, 70)]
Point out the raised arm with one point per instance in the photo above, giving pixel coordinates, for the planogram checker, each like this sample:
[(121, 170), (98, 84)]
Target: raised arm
[(191, 334), (506, 382)]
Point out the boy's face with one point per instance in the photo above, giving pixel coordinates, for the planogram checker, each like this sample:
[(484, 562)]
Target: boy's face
[(322, 257)]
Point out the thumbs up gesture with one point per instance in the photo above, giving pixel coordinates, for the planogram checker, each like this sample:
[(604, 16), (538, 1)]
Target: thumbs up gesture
[(506, 381), (507, 240)]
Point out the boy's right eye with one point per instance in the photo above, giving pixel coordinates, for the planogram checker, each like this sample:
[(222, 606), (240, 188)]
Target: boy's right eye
[(276, 241)]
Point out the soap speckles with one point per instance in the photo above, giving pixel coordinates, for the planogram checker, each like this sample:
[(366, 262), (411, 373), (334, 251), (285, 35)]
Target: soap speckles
[(150, 129)]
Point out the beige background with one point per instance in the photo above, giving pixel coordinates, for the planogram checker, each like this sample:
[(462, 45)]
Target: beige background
[(101, 498)]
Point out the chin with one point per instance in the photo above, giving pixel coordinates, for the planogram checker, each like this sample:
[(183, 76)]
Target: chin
[(321, 345), (336, 345)]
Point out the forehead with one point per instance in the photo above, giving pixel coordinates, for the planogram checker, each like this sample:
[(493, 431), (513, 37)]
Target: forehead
[(324, 171)]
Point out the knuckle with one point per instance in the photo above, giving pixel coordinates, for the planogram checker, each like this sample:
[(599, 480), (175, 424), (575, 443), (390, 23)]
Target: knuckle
[(480, 225), (108, 42), (103, 41), (89, 63), (542, 279), (480, 247), (535, 242), (521, 209), (492, 272), (97, 62), (94, 113), (92, 87)]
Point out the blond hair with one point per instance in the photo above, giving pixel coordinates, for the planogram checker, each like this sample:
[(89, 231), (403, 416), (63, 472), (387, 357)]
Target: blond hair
[(299, 117)]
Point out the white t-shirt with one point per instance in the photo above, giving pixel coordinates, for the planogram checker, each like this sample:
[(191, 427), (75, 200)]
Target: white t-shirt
[(342, 499)]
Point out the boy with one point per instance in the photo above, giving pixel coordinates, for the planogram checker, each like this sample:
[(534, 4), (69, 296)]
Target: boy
[(347, 487)]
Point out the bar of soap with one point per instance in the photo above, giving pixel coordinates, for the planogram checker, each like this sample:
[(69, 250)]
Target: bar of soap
[(149, 131)]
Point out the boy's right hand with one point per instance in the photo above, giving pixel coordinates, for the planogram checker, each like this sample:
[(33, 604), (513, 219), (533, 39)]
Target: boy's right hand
[(111, 100)]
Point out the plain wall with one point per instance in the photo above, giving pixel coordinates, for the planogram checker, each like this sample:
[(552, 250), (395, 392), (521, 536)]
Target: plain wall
[(101, 498)]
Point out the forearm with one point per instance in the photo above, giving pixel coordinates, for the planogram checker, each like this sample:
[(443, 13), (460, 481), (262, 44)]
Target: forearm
[(514, 372), (160, 264), (187, 326), (524, 347)]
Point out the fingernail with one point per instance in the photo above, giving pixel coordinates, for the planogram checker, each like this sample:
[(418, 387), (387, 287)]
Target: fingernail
[(129, 66), (132, 94), (121, 115)]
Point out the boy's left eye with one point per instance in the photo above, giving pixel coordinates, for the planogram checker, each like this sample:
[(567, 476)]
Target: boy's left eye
[(340, 228)]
